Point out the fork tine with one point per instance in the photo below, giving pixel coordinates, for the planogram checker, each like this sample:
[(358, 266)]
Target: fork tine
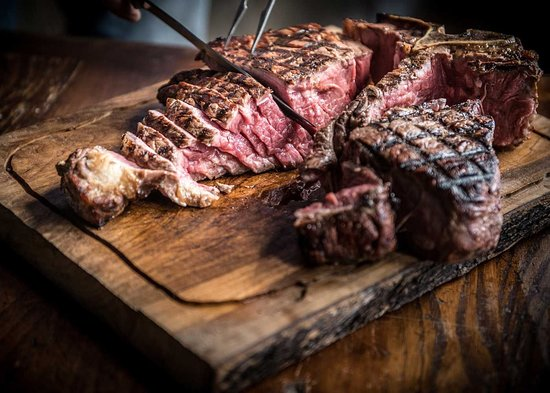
[(261, 25), (243, 6)]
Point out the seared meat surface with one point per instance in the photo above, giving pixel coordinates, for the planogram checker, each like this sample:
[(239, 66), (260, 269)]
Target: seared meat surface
[(354, 224), (315, 70), (443, 170)]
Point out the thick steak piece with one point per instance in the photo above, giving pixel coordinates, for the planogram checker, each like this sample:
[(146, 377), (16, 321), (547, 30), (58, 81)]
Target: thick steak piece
[(442, 168), (476, 64), (315, 70), (353, 225), (100, 183)]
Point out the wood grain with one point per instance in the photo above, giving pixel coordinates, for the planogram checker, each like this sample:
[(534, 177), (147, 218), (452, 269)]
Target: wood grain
[(486, 331), (107, 68), (175, 278), (30, 85)]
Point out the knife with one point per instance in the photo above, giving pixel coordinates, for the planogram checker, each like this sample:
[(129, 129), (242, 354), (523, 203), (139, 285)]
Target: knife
[(221, 60)]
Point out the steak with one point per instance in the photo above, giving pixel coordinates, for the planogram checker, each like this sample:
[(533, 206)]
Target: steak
[(352, 225), (477, 64), (315, 70), (235, 108), (393, 160), (443, 170)]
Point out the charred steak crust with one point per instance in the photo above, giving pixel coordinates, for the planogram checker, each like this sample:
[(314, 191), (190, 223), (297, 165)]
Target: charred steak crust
[(444, 171), (314, 69)]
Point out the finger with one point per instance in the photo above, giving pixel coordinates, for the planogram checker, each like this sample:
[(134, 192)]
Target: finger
[(123, 9)]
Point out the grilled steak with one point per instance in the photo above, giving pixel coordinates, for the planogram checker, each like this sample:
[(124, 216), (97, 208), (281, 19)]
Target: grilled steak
[(315, 70), (219, 123), (442, 168), (352, 225), (477, 64), (222, 123)]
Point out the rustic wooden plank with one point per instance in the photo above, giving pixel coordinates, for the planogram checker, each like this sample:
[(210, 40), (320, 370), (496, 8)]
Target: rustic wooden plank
[(166, 296), (256, 251)]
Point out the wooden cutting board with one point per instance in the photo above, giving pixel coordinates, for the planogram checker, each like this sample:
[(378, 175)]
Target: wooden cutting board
[(220, 296)]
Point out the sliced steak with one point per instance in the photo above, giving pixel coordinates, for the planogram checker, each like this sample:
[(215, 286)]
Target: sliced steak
[(203, 162), (232, 108), (197, 124), (200, 162), (315, 70), (352, 225), (255, 101), (442, 168), (100, 183)]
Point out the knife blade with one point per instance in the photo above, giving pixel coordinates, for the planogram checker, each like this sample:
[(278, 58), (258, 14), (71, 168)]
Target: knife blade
[(221, 60)]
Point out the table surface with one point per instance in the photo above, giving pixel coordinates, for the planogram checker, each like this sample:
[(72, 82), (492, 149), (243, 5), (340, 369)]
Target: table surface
[(488, 330)]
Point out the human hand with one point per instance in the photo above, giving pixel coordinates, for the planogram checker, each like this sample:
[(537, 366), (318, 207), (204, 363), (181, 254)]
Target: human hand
[(124, 9)]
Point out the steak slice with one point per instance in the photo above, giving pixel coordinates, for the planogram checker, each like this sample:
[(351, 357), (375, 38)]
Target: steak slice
[(254, 100), (352, 225), (203, 162), (444, 171), (200, 163), (100, 183), (231, 107), (315, 70), (197, 124)]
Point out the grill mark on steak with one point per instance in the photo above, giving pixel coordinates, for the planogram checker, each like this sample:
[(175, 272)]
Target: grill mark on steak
[(315, 70), (200, 162), (194, 121), (219, 108), (277, 50), (168, 128), (443, 170), (198, 154)]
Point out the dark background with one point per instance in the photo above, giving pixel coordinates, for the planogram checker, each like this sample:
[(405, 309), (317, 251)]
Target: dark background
[(524, 19)]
